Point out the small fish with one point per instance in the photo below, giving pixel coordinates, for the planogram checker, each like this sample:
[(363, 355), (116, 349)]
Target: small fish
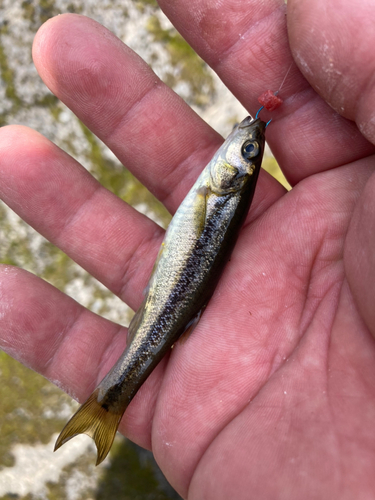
[(196, 247)]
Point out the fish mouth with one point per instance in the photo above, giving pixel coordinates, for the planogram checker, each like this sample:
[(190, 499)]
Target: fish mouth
[(253, 122)]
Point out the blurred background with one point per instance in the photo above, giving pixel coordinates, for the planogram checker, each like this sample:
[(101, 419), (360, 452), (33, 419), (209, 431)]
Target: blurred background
[(33, 410)]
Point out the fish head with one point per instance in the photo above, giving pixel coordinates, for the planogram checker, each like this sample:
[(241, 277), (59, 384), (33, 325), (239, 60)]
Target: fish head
[(238, 160)]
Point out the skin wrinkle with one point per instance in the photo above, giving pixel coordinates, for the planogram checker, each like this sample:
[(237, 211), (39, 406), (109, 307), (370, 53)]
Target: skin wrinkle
[(289, 110), (278, 358), (252, 399), (265, 381), (171, 181), (155, 85), (248, 101), (131, 267), (117, 287), (363, 96), (63, 337), (304, 110), (306, 95), (67, 340), (330, 402), (304, 330), (261, 53), (219, 430), (225, 55), (184, 167), (336, 284), (108, 354), (359, 260), (309, 292), (76, 215), (327, 355)]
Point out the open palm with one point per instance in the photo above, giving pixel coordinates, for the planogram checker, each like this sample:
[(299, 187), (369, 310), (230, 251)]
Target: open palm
[(273, 396)]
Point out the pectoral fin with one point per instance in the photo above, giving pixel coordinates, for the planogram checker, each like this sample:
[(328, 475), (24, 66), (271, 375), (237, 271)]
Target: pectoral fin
[(158, 257), (136, 319), (200, 209)]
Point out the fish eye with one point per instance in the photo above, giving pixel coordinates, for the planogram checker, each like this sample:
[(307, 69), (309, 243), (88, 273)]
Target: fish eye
[(250, 149)]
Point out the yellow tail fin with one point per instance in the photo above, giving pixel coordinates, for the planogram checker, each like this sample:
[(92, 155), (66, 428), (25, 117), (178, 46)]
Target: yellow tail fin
[(96, 421)]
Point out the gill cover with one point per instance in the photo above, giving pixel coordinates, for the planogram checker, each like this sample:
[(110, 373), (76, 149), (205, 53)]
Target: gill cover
[(238, 158)]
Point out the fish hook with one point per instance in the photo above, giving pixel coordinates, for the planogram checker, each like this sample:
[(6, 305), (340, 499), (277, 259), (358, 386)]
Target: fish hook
[(259, 110), (256, 116)]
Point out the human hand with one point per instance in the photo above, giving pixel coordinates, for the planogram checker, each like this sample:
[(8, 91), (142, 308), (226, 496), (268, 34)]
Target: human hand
[(273, 394)]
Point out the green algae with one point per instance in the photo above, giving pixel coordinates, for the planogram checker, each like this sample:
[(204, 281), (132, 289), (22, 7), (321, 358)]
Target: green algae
[(7, 77), (39, 12), (82, 468), (151, 3), (25, 397)]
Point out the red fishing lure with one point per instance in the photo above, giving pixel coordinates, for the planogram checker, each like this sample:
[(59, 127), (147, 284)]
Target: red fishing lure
[(270, 100)]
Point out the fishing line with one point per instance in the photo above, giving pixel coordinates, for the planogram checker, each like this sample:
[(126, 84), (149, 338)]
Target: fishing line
[(269, 99), (287, 73)]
